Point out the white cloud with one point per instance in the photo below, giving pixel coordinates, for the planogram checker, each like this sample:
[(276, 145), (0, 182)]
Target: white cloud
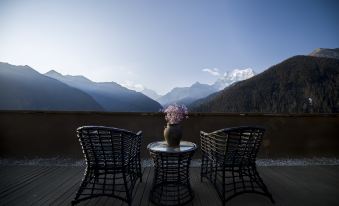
[(139, 87), (133, 86), (214, 71)]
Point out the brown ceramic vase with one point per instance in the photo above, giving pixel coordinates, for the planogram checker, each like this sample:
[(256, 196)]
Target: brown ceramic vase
[(173, 134)]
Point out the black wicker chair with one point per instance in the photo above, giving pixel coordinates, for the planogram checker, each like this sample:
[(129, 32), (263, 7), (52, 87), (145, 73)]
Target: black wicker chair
[(112, 162), (228, 161)]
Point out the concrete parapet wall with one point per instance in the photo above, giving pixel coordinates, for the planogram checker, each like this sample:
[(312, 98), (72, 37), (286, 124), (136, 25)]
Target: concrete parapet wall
[(34, 134)]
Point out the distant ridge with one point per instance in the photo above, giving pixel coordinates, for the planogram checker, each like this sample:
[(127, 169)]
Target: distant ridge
[(151, 94), (327, 53), (23, 88), (298, 84), (186, 95), (110, 95)]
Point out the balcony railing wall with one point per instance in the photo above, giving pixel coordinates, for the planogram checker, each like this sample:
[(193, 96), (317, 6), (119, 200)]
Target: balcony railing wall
[(32, 134)]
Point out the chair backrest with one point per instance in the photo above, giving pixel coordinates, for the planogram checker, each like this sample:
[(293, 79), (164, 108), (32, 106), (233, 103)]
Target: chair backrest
[(237, 145), (104, 146)]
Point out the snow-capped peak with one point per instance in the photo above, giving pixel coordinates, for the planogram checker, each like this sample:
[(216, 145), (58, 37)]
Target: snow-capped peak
[(233, 76)]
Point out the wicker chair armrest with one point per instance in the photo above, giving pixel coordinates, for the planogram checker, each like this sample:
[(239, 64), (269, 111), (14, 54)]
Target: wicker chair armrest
[(136, 144), (203, 136), (138, 137), (203, 133), (133, 148), (139, 133)]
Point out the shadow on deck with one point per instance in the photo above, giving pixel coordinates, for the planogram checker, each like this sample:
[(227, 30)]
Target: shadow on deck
[(56, 185)]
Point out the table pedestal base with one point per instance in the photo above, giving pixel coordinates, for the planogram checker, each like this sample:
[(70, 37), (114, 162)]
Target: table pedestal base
[(169, 193), (171, 181)]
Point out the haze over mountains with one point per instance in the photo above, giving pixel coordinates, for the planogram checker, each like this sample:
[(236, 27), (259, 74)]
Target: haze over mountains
[(23, 88), (151, 93), (187, 95), (298, 84), (110, 95), (37, 92)]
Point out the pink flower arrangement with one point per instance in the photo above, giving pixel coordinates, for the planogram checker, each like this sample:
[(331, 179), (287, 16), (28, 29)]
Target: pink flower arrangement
[(176, 113)]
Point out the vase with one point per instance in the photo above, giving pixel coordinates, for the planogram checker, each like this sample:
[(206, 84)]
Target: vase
[(173, 134)]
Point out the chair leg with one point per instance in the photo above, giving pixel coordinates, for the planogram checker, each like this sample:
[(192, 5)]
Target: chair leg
[(223, 186), (215, 172), (83, 184), (128, 196), (262, 184), (139, 168), (203, 167)]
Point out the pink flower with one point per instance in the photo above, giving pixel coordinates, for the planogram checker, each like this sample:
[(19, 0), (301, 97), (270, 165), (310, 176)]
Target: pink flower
[(175, 113)]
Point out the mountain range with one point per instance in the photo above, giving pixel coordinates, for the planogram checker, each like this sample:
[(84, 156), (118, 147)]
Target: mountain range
[(187, 95), (151, 93), (101, 96), (231, 77), (298, 84), (23, 88), (110, 95)]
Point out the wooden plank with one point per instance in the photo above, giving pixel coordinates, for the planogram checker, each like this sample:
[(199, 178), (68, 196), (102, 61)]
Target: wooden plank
[(41, 190), (195, 184), (284, 189), (332, 170), (275, 185), (51, 192), (138, 195), (205, 191), (9, 173), (92, 201), (145, 196), (278, 185), (327, 174), (66, 197), (31, 191), (16, 175), (68, 193), (253, 199), (310, 185), (111, 200), (306, 179), (26, 181), (100, 200), (114, 201)]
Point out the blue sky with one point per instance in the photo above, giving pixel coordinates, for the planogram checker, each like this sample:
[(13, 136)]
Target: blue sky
[(162, 44)]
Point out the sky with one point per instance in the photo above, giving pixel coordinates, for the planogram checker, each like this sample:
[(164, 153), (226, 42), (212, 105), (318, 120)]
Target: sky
[(160, 44)]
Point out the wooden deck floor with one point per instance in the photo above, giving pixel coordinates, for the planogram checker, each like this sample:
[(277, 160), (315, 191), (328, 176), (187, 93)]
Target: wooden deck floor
[(33, 185)]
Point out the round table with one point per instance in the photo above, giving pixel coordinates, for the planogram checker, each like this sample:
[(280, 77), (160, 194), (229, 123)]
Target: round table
[(171, 182)]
